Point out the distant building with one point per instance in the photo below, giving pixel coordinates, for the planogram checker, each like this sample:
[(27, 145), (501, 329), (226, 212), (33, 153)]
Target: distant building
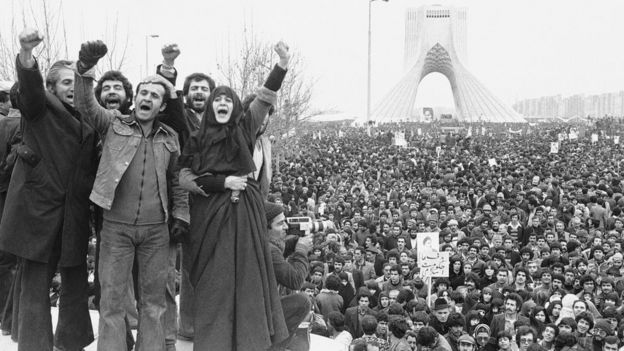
[(579, 105)]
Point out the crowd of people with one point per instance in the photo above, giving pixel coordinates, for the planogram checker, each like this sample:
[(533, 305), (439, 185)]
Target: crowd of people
[(535, 237), (163, 193)]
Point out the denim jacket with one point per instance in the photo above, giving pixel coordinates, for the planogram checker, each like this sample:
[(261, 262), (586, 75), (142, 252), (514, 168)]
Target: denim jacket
[(121, 135)]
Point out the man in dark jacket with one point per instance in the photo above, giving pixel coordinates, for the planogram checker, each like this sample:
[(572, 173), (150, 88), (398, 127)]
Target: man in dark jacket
[(290, 272), (46, 220), (355, 314), (505, 321)]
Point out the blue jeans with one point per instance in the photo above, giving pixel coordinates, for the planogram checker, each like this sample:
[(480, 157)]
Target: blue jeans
[(119, 244)]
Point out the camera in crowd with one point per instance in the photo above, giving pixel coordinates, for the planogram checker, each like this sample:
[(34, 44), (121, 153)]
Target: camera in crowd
[(302, 226)]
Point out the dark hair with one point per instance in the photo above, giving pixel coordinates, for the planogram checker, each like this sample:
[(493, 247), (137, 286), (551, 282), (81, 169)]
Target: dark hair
[(398, 327), (333, 282), (515, 297), (526, 273), (396, 310), (587, 317), (611, 339), (456, 320), (565, 339), (166, 95), (426, 336), (524, 330), (115, 75), (569, 321), (369, 324), (4, 96), (503, 334), (197, 77), (404, 296), (553, 326), (337, 320)]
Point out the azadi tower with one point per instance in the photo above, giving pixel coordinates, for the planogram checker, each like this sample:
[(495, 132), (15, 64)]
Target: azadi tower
[(435, 41)]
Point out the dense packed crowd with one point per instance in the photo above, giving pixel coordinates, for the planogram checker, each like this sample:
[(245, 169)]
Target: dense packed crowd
[(535, 238)]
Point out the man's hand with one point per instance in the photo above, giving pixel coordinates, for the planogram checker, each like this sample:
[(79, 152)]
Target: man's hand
[(29, 38), (179, 230), (282, 51), (306, 242), (169, 53), (90, 53)]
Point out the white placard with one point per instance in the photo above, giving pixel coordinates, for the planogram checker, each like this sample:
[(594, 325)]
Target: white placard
[(492, 162), (594, 138), (616, 139), (554, 147), (435, 265)]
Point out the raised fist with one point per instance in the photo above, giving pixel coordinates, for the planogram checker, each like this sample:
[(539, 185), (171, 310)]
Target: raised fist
[(91, 52), (170, 52), (29, 38), (282, 50)]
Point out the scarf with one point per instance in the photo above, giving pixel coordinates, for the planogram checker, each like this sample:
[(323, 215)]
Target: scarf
[(221, 148)]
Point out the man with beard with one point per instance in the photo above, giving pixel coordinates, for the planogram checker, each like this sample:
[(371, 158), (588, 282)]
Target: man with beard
[(114, 92), (197, 87), (456, 324), (505, 321), (602, 330), (354, 315)]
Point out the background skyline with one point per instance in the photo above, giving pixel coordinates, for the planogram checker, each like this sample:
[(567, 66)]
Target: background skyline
[(517, 49)]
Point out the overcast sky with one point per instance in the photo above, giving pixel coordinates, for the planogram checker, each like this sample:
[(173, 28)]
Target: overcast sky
[(518, 49)]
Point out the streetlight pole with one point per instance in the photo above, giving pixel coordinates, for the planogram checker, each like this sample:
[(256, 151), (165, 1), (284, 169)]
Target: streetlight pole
[(147, 51), (368, 85)]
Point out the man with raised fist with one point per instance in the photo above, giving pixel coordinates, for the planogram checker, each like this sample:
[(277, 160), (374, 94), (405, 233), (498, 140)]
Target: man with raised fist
[(46, 218), (137, 174)]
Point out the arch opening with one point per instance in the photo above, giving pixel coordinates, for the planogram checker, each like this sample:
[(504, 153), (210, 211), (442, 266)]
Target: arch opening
[(434, 98)]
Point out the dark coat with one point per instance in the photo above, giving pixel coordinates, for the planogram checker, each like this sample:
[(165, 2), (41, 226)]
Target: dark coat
[(49, 191), (498, 322), (353, 322)]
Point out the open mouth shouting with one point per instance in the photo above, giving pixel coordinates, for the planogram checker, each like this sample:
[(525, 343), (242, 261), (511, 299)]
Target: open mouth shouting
[(145, 106), (222, 106), (112, 102)]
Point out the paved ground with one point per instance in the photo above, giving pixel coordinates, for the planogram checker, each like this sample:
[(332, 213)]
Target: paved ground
[(317, 342)]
